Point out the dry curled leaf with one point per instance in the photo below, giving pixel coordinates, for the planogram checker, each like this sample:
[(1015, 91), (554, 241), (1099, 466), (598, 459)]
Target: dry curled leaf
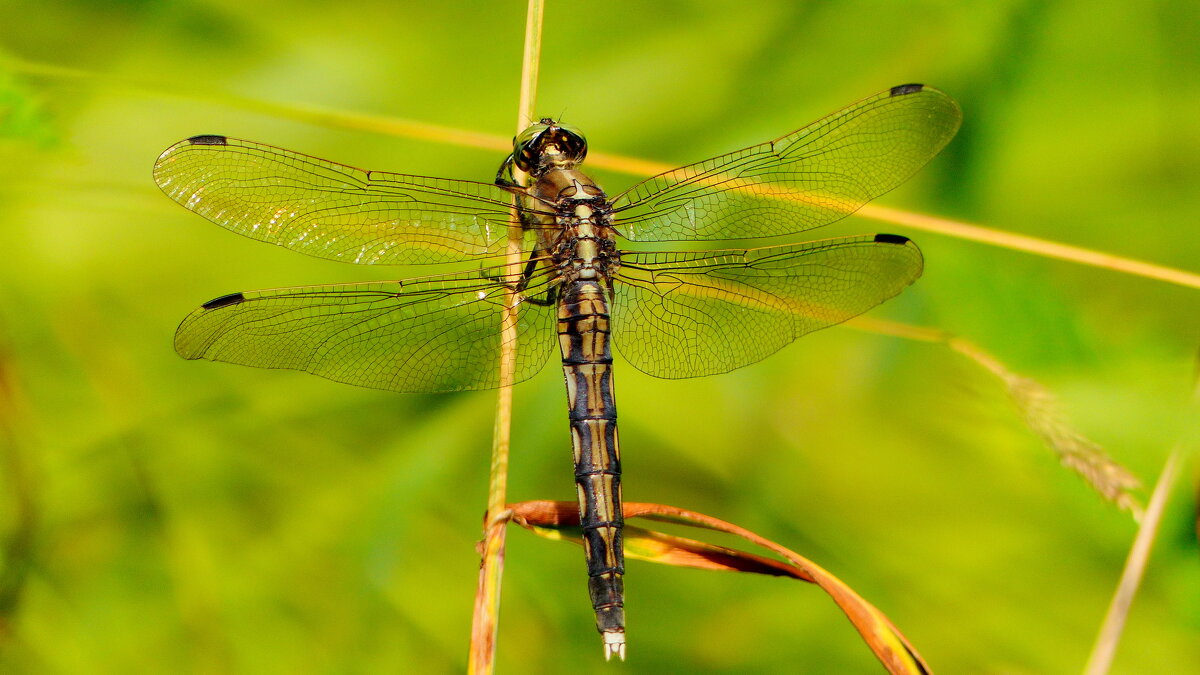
[(560, 521)]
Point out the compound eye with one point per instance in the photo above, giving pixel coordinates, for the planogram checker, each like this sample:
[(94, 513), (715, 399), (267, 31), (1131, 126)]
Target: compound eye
[(573, 133), (525, 146), (573, 142)]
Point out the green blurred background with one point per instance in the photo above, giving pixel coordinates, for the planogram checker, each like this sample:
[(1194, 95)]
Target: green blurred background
[(163, 516)]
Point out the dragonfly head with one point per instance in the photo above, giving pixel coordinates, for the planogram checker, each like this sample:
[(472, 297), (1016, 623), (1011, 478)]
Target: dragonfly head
[(547, 145)]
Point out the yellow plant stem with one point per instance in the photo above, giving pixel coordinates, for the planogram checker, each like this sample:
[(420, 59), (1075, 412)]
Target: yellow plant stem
[(485, 623), (1020, 242)]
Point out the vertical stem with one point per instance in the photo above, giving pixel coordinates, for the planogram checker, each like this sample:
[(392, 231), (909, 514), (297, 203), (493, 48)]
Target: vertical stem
[(485, 624), (529, 68)]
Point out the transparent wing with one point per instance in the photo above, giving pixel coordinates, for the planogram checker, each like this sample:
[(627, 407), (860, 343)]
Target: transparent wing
[(806, 179), (440, 333), (689, 314), (331, 210)]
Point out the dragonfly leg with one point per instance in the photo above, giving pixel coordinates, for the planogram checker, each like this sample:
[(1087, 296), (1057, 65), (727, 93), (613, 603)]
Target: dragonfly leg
[(546, 300), (551, 296), (504, 175)]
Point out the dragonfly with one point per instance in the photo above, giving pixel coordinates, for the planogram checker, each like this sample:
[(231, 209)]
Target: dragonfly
[(580, 287)]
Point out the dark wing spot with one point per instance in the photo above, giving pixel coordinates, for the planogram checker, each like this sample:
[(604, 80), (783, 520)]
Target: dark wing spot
[(907, 89), (207, 139), (882, 239), (224, 301)]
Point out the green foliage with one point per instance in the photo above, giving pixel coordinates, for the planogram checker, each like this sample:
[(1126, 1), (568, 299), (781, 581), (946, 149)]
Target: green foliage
[(158, 515)]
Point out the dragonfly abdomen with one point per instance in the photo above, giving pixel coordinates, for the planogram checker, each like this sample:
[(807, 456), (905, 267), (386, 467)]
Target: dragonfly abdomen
[(583, 332)]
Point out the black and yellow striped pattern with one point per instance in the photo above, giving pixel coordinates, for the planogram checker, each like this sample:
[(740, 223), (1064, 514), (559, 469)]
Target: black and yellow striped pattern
[(583, 334)]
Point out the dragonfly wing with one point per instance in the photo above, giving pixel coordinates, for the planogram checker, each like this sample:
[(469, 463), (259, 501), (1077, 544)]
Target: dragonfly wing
[(808, 178), (690, 314), (330, 210), (434, 334)]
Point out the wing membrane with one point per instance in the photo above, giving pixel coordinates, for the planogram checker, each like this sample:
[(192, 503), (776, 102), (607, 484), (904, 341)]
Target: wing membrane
[(806, 179), (690, 314), (434, 334), (331, 210)]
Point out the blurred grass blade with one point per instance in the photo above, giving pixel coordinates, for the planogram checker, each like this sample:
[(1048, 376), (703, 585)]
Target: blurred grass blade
[(1040, 411), (17, 493), (22, 116), (485, 621), (560, 521), (1135, 567), (299, 112), (630, 165)]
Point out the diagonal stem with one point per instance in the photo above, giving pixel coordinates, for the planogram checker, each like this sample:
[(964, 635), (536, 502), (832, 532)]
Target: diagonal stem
[(1021, 242), (1105, 648), (343, 119)]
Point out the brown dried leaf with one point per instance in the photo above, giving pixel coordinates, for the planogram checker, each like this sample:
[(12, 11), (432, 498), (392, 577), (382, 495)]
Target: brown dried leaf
[(560, 520)]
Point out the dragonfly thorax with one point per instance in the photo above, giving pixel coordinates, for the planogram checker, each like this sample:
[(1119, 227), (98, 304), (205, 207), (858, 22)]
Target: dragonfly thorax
[(586, 247)]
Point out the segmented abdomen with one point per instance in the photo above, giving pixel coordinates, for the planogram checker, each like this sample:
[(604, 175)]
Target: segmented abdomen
[(583, 334)]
